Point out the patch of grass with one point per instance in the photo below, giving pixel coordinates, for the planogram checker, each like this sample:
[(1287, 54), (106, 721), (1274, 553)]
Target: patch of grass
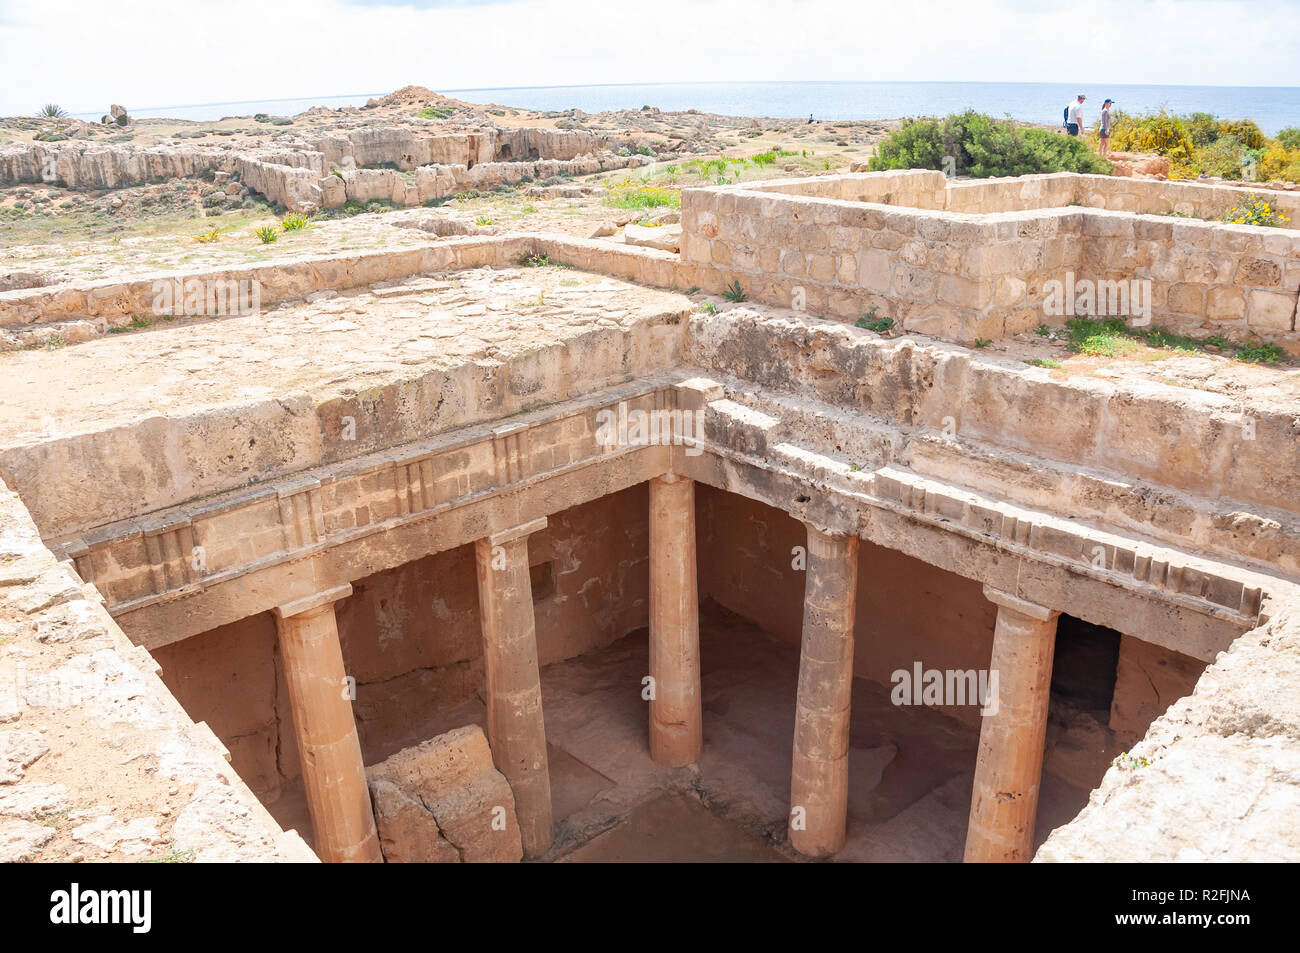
[(174, 856), (1114, 338), (1045, 362), (1260, 353), (293, 222), (983, 342), (734, 293), (210, 236), (639, 195), (433, 112), (1110, 338), (708, 307), (533, 259)]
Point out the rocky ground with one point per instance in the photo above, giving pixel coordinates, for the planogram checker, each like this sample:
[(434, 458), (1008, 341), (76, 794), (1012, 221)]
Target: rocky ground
[(50, 234), (97, 761)]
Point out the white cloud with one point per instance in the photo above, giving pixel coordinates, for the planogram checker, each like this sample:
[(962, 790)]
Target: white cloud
[(162, 52)]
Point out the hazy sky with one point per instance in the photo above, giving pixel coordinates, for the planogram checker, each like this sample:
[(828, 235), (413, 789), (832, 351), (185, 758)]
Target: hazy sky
[(84, 54)]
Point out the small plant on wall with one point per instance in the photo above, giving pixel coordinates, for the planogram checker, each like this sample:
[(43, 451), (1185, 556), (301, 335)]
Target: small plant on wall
[(871, 322), (1255, 211)]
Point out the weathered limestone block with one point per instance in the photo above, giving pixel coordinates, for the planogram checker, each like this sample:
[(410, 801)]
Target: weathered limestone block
[(1271, 310), (443, 801), (663, 237)]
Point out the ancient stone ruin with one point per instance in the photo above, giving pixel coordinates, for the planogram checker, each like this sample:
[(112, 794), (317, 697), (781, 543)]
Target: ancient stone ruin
[(505, 547), (392, 163)]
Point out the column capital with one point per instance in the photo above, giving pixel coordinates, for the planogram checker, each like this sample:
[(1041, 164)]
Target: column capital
[(825, 532), (671, 477), (1006, 600), (517, 532), (314, 601)]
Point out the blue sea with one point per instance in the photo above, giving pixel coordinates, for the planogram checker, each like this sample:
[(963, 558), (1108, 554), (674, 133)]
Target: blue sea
[(1273, 107)]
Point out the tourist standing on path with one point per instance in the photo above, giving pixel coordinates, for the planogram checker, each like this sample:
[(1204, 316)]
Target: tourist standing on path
[(1074, 116), (1104, 149)]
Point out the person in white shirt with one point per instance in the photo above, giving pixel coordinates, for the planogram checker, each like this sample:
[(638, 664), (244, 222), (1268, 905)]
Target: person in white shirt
[(1074, 116)]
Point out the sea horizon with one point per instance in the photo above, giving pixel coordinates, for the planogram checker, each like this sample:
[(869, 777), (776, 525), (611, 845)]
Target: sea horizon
[(1272, 107)]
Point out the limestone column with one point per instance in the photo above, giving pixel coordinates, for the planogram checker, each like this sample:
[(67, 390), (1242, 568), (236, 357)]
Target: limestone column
[(676, 735), (516, 730), (819, 784), (332, 771), (1004, 800)]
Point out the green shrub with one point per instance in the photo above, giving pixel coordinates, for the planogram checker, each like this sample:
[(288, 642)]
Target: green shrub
[(52, 111), (1260, 353), (293, 222), (734, 292), (267, 233), (977, 145), (1200, 144), (1161, 133), (1245, 131), (1222, 157), (1203, 128)]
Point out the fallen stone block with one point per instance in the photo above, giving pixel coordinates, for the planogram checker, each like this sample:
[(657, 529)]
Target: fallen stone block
[(663, 237), (443, 801)]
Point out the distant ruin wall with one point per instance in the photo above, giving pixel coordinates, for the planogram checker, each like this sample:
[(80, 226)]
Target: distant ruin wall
[(430, 182), (291, 175)]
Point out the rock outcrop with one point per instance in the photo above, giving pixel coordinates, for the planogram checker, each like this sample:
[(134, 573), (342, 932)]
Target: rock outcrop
[(327, 171)]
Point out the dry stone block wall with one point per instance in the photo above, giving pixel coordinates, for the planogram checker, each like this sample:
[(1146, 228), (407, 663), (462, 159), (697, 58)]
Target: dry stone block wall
[(980, 260)]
